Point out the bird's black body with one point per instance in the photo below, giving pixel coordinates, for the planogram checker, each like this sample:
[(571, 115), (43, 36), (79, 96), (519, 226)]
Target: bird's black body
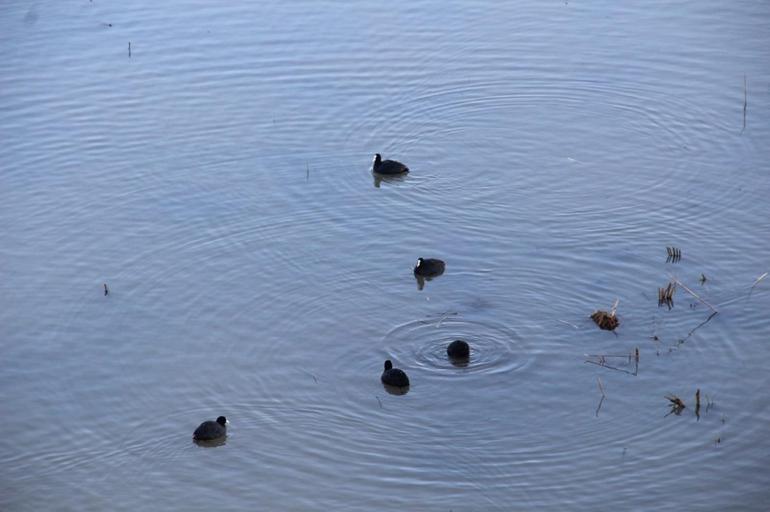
[(210, 430), (458, 349), (381, 166), (429, 267), (394, 376)]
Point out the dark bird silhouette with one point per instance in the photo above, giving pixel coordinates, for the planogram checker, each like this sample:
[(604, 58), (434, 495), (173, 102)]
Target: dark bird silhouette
[(210, 430), (381, 166), (394, 376)]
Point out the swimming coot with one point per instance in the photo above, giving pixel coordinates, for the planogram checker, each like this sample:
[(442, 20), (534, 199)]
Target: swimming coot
[(394, 376), (381, 166), (458, 349), (429, 267), (209, 430)]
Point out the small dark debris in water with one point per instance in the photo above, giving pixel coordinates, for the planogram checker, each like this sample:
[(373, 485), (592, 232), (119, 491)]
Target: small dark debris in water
[(666, 295), (606, 321), (677, 405), (674, 254), (129, 49), (702, 278), (717, 440), (106, 290)]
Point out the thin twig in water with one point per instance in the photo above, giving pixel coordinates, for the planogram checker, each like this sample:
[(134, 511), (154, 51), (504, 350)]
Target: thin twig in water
[(307, 175), (636, 359), (601, 390), (129, 49), (697, 403), (745, 103), (565, 322), (603, 363), (614, 307), (689, 334), (759, 279), (379, 401), (712, 308), (444, 317)]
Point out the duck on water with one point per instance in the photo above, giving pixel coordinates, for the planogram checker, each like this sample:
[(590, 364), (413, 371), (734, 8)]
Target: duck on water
[(211, 430), (429, 267), (390, 167), (394, 376)]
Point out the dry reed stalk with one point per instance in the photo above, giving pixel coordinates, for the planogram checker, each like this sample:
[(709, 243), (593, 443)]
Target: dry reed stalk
[(712, 308), (697, 403), (601, 401), (759, 279), (673, 254)]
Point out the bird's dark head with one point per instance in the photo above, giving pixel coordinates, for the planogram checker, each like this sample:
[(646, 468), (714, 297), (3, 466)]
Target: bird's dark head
[(377, 159), (222, 421), (388, 365), (419, 262)]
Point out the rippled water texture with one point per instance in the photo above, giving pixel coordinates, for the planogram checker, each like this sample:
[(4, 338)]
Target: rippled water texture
[(218, 180)]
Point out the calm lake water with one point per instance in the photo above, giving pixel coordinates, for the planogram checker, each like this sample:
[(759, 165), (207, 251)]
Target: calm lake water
[(218, 180)]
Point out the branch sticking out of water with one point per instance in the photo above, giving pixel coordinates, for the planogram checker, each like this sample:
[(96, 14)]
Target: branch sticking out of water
[(129, 49), (697, 403), (666, 295), (674, 254)]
